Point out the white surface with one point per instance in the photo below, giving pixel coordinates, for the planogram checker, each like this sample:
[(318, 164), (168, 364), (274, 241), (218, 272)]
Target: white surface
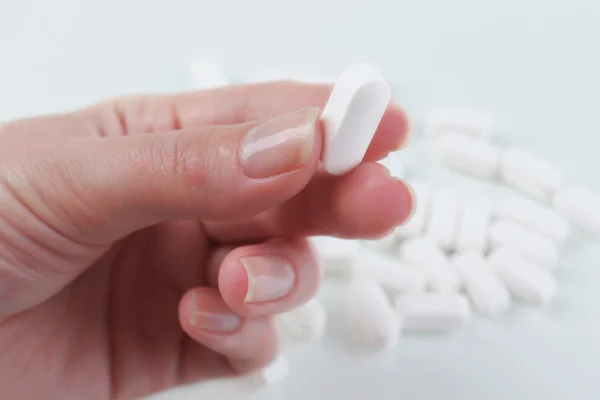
[(534, 63)]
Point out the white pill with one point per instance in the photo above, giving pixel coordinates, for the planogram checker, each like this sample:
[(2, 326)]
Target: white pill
[(382, 244), (487, 292), (306, 322), (423, 253), (432, 312), (540, 249), (469, 156), (475, 123), (473, 225), (395, 164), (581, 207), (415, 224), (351, 116), (444, 215), (525, 280), (370, 309), (336, 256), (529, 174), (208, 73), (392, 275), (276, 371), (540, 218)]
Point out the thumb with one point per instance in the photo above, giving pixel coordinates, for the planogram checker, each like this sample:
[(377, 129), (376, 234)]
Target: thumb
[(104, 188)]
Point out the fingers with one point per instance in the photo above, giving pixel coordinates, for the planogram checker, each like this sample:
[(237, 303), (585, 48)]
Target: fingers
[(233, 105), (366, 203), (103, 189), (268, 278), (248, 343)]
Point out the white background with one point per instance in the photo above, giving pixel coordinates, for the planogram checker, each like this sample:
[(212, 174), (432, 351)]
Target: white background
[(534, 63)]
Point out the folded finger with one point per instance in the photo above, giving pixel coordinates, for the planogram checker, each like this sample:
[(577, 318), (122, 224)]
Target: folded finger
[(366, 203), (268, 278), (247, 343)]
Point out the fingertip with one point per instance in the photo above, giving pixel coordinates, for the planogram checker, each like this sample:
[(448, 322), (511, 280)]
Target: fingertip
[(368, 185), (247, 344), (202, 312), (269, 278), (392, 133)]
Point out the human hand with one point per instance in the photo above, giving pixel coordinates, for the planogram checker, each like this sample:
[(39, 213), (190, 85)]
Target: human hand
[(147, 242)]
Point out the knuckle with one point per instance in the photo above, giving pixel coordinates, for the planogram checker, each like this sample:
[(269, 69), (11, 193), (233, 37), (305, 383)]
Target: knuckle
[(183, 164)]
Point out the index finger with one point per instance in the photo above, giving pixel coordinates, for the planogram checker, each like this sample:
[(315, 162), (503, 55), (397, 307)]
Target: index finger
[(235, 105)]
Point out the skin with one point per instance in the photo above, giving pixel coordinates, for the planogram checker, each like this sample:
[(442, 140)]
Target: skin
[(113, 226)]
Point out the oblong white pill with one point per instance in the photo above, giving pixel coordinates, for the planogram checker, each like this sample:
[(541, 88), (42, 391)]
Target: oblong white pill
[(442, 224), (525, 280), (529, 174), (208, 73), (469, 156), (306, 322), (414, 226), (473, 225), (542, 219), (432, 312), (382, 244), (276, 371), (581, 206), (392, 275), (475, 123), (370, 309), (540, 249), (487, 292), (336, 256), (423, 253), (351, 116)]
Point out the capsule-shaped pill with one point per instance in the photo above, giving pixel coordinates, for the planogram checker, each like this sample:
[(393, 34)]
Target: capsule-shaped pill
[(581, 207), (487, 292), (423, 253), (469, 156), (529, 174), (392, 275), (513, 236), (525, 280), (442, 223), (414, 226), (276, 371), (370, 310), (473, 225), (336, 256), (432, 312), (476, 123), (351, 116), (307, 322), (539, 218)]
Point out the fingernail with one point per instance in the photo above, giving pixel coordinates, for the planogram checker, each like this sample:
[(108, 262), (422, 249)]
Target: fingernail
[(280, 145), (215, 320), (269, 277)]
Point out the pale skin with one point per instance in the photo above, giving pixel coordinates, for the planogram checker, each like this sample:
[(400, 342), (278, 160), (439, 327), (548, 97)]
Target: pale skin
[(144, 244)]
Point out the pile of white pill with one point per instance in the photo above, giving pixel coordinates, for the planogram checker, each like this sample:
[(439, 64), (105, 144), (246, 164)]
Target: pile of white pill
[(459, 254)]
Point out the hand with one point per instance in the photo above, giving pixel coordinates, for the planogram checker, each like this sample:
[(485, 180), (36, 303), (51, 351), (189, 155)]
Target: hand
[(147, 242)]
